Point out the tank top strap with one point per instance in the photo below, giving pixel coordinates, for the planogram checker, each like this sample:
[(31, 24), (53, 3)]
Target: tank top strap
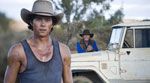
[(26, 48), (57, 50), (56, 45)]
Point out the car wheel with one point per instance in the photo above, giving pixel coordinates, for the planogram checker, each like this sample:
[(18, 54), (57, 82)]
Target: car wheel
[(81, 79)]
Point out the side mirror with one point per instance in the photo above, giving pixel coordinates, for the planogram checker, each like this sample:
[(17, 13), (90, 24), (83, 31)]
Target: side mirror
[(113, 46)]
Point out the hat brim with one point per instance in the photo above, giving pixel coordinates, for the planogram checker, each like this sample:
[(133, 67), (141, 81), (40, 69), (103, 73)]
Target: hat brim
[(26, 15), (91, 35)]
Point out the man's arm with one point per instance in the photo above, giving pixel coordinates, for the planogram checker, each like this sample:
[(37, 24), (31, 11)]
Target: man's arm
[(66, 56), (13, 65), (79, 49), (95, 48)]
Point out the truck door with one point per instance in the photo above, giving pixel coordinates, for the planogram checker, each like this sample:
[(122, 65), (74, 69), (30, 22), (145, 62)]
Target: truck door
[(135, 54)]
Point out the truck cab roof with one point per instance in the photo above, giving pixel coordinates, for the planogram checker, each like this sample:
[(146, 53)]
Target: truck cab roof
[(134, 24)]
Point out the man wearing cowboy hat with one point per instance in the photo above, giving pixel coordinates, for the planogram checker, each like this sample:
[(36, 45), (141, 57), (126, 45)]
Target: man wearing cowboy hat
[(86, 44), (39, 59)]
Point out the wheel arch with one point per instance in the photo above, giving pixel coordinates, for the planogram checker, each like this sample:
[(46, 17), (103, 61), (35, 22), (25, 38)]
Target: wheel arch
[(90, 72)]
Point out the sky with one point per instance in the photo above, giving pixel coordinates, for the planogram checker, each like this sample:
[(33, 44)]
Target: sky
[(133, 9)]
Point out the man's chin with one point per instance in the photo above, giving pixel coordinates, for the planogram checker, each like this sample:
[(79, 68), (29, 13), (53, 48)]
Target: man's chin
[(43, 35)]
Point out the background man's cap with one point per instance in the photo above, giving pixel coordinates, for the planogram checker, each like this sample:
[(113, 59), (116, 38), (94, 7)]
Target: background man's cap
[(86, 32)]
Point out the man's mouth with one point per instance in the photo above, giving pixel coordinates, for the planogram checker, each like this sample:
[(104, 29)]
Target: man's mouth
[(42, 29)]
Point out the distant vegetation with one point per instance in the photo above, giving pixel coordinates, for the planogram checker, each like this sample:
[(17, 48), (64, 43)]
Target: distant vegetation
[(7, 38), (69, 30)]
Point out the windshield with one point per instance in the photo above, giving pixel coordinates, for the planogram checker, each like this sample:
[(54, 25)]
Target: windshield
[(116, 35), (115, 39)]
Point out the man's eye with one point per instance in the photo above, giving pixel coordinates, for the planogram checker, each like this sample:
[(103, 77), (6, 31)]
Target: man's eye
[(38, 18), (48, 19)]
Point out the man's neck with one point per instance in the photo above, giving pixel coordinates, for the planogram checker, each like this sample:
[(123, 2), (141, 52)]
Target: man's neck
[(41, 40), (86, 42)]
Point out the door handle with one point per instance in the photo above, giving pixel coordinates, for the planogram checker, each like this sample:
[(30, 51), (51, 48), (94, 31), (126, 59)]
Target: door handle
[(128, 52)]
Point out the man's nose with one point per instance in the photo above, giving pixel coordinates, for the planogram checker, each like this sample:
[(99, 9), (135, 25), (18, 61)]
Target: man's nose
[(43, 21)]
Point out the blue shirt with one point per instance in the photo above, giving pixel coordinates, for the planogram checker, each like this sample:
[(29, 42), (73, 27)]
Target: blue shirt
[(82, 50)]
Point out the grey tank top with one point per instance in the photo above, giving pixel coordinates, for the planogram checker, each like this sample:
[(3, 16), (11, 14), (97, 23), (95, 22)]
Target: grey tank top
[(41, 72)]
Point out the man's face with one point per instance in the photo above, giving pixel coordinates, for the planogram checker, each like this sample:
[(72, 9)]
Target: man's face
[(42, 25), (86, 37)]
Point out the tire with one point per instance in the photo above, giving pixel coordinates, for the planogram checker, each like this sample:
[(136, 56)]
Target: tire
[(81, 79)]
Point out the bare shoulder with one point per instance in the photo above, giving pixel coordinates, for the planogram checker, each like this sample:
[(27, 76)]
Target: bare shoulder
[(14, 53), (64, 50), (65, 53)]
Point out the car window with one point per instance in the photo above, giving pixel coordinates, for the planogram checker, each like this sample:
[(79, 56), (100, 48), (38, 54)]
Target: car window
[(128, 40), (142, 37)]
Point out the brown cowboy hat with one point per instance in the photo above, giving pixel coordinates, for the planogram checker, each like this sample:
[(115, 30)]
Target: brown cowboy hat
[(86, 32), (40, 7)]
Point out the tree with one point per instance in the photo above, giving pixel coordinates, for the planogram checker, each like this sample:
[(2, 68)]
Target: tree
[(77, 11), (117, 17), (4, 22)]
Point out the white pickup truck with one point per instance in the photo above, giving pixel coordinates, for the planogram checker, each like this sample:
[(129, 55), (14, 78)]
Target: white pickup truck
[(127, 59)]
